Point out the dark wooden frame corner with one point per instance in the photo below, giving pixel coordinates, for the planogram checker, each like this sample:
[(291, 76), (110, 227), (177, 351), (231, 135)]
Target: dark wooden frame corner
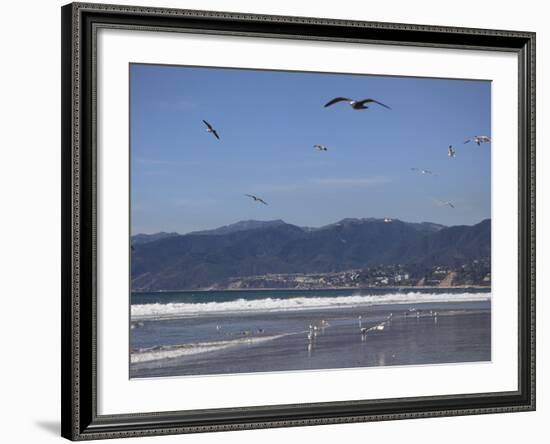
[(80, 419)]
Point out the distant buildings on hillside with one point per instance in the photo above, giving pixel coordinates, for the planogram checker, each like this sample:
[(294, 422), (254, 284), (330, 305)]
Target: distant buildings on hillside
[(474, 273)]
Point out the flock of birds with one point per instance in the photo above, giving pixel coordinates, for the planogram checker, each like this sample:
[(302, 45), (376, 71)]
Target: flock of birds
[(316, 329), (361, 105), (364, 331)]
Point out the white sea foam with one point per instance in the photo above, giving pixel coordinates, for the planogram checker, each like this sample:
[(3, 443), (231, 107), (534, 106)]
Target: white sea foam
[(176, 351), (179, 310)]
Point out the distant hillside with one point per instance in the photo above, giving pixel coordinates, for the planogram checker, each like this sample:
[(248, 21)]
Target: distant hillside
[(242, 226), (251, 248), (144, 238)]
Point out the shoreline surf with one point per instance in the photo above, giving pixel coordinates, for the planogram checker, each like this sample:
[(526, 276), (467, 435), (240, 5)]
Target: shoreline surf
[(158, 310)]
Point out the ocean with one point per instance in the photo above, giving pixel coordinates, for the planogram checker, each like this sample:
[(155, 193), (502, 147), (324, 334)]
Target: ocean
[(224, 332)]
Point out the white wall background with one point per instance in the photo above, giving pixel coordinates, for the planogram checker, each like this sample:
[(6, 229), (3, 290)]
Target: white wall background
[(30, 219)]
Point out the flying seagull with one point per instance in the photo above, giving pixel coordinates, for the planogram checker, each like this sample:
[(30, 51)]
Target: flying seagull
[(320, 147), (443, 203), (478, 140), (210, 129), (422, 171), (256, 199), (452, 152), (355, 104)]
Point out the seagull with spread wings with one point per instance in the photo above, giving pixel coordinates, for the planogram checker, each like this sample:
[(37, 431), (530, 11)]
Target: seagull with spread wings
[(210, 129), (256, 199), (478, 140), (443, 203), (320, 147), (422, 171), (355, 104)]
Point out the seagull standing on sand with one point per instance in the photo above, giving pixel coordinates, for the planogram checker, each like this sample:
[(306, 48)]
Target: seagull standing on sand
[(312, 333), (320, 147), (478, 140), (451, 151), (210, 129), (256, 199), (355, 104)]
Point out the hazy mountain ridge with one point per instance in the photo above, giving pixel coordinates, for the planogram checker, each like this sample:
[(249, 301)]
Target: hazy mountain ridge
[(144, 238), (252, 224), (250, 248), (243, 225)]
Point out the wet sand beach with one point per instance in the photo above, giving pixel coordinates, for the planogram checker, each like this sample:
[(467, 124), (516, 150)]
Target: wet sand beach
[(400, 334)]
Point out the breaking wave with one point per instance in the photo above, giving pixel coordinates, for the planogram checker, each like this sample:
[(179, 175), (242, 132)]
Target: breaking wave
[(179, 310), (176, 351)]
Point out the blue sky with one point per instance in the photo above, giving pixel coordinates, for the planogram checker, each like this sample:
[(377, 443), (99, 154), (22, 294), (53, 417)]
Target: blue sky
[(184, 179)]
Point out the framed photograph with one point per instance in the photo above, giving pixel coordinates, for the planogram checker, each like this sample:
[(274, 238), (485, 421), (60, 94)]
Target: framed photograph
[(280, 221)]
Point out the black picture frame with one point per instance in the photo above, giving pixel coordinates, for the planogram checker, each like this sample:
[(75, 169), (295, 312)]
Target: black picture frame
[(80, 420)]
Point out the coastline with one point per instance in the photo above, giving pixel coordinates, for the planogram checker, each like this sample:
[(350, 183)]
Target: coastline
[(398, 288)]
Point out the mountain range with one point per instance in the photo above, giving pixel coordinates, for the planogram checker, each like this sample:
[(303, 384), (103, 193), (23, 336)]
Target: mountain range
[(169, 261)]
